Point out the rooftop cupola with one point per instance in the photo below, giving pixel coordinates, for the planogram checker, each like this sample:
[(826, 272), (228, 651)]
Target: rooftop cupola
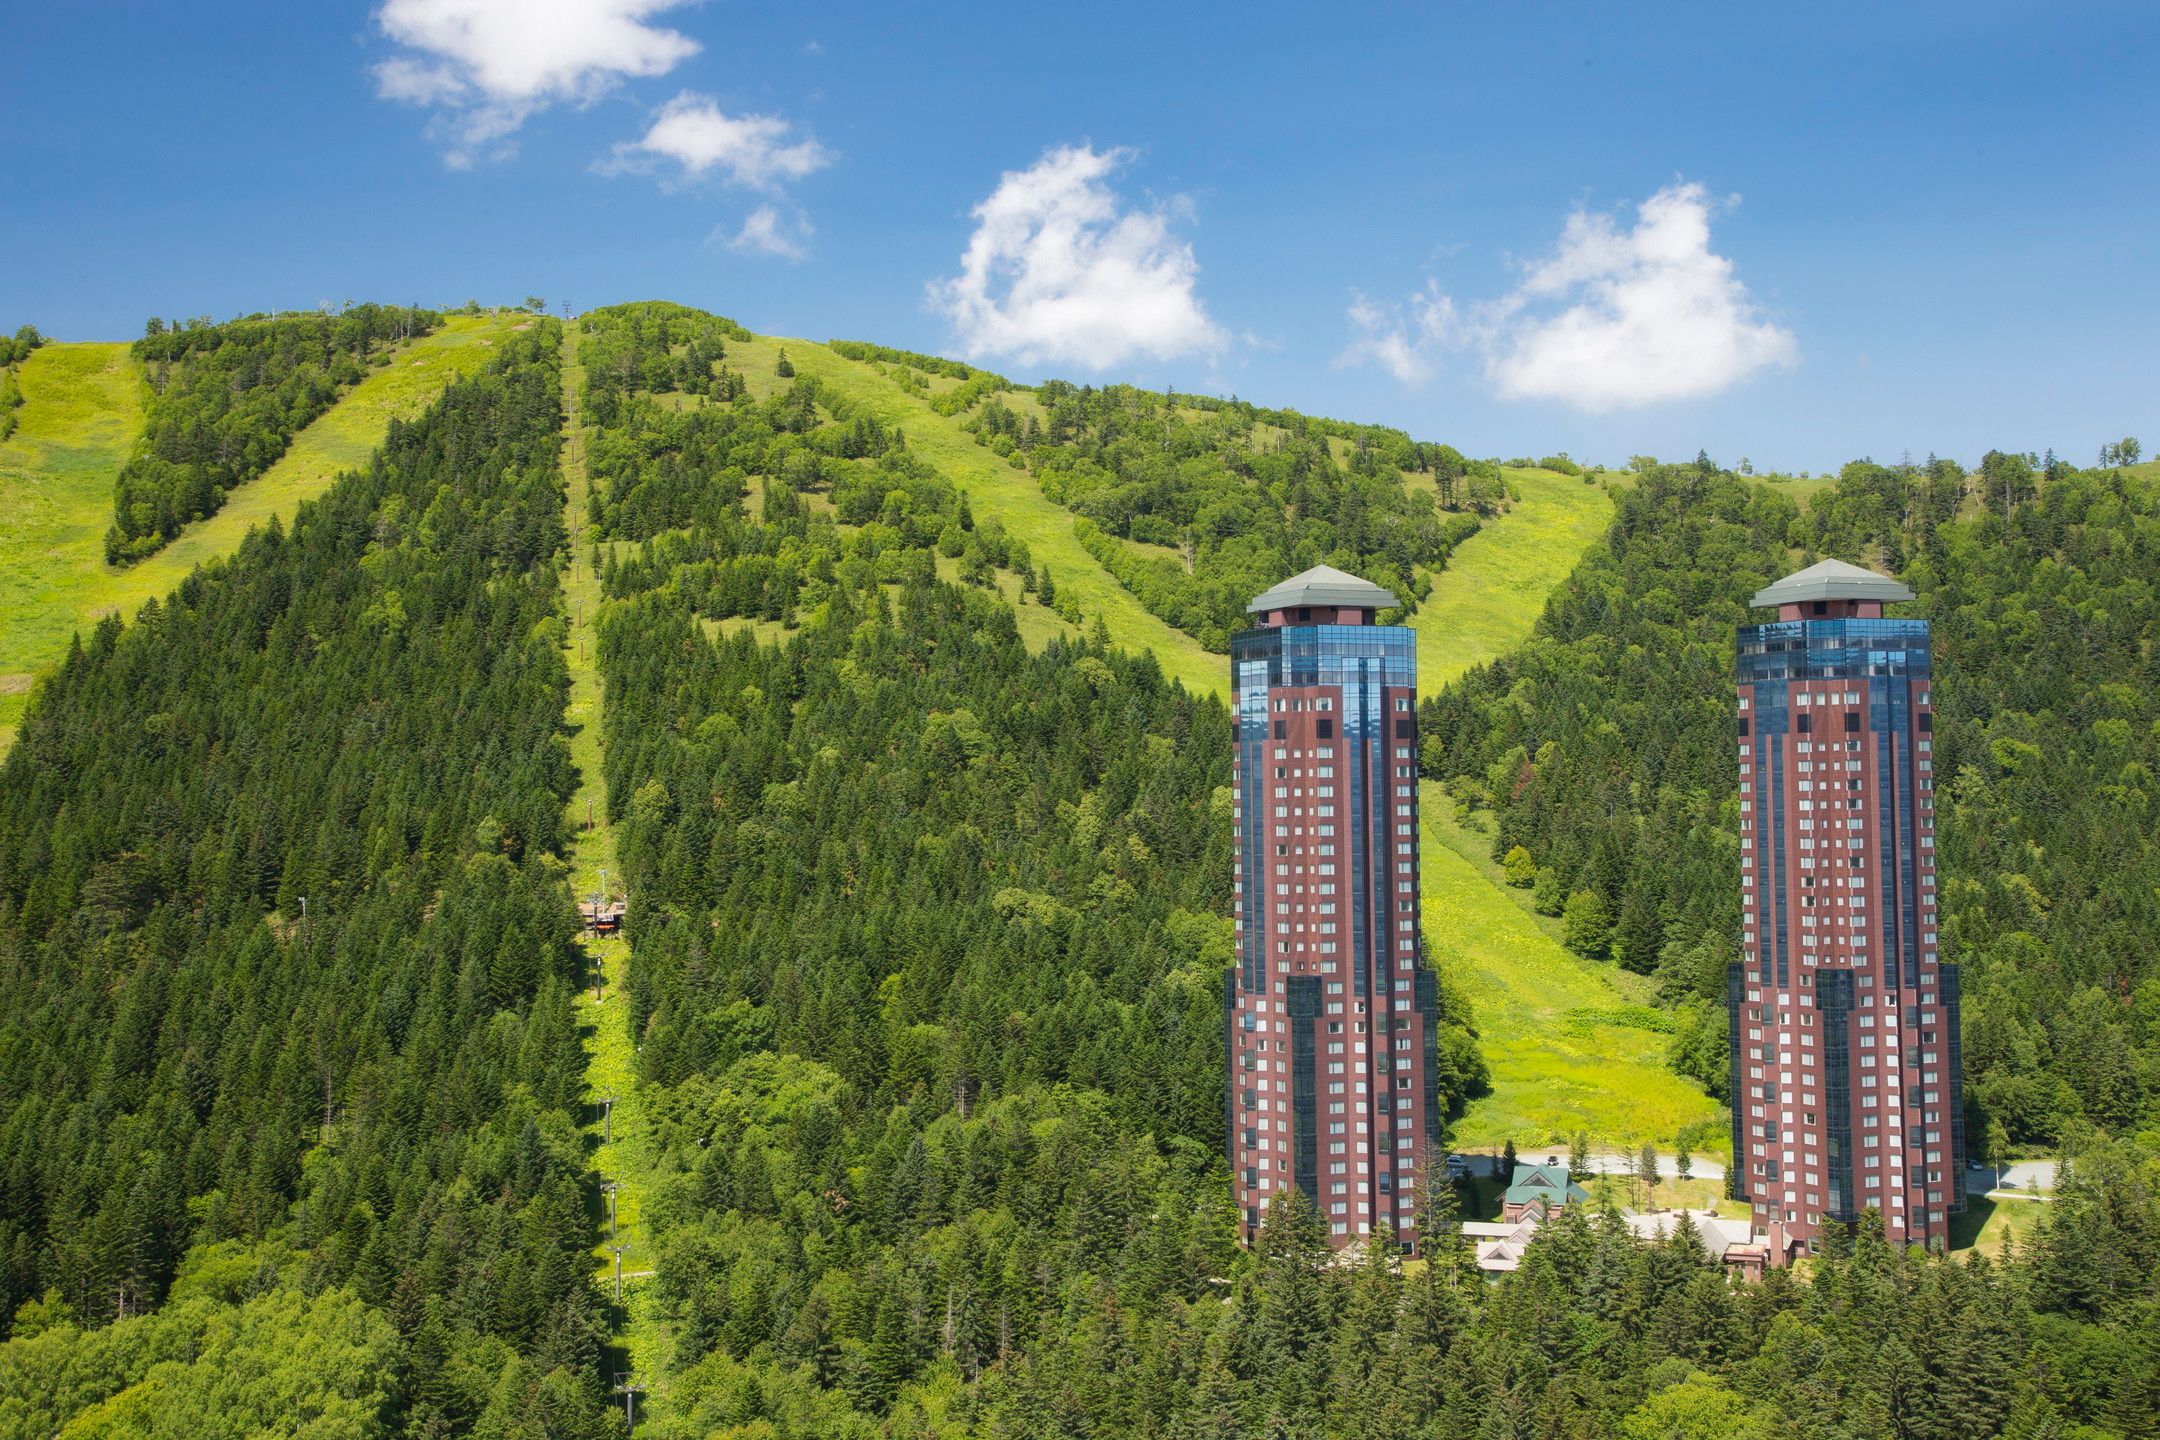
[(1322, 595), (1831, 590)]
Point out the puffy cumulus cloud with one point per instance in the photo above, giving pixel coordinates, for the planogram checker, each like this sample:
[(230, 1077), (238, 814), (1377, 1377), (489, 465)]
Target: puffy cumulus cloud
[(486, 66), (1060, 270), (1617, 316), (1644, 314), (757, 151), (766, 232)]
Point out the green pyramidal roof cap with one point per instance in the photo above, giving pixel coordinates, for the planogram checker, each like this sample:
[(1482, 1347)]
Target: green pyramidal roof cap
[(1831, 580), (1323, 585)]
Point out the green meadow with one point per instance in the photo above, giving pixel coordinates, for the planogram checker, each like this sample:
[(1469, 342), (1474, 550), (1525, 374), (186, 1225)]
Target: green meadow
[(1484, 603), (619, 1150), (82, 408), (1570, 1041)]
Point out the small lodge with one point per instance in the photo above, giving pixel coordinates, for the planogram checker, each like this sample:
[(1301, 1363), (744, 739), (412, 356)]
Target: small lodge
[(1540, 1189), (1499, 1245)]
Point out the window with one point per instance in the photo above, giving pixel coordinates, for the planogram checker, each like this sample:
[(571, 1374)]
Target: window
[(1327, 729)]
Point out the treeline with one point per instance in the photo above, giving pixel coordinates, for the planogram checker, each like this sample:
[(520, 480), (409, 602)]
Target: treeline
[(912, 359), (17, 347), (913, 371), (225, 402), (13, 351), (1598, 1334), (1197, 505), (1604, 746), (287, 973)]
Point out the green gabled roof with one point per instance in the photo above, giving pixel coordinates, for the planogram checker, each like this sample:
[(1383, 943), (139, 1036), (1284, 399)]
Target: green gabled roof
[(1542, 1182)]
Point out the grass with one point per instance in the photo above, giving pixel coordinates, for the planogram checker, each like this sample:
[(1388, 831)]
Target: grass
[(1991, 1219), (626, 1156), (765, 632), (998, 492), (53, 577), (1551, 1024), (1801, 492), (1494, 587), (1038, 624), (1483, 1193), (81, 412)]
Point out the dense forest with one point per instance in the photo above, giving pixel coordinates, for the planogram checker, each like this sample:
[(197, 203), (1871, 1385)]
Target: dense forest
[(1604, 746), (227, 399), (13, 350), (928, 928), (1197, 504), (290, 1061)]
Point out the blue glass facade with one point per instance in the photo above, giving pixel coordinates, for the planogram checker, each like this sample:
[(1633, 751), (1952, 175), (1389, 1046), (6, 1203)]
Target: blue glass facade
[(1881, 656), (1359, 662)]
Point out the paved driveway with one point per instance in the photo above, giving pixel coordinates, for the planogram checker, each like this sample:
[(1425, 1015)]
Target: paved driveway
[(2031, 1176)]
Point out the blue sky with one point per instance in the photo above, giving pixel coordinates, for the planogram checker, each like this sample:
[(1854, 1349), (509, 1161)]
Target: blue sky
[(1797, 236)]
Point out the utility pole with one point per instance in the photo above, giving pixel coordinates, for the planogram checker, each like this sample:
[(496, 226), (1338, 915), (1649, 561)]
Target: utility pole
[(609, 1188), (607, 1120), (629, 1389), (618, 1249)]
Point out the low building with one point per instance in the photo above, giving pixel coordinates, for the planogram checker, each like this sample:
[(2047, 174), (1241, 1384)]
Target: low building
[(1499, 1246), (1733, 1243), (1547, 1187)]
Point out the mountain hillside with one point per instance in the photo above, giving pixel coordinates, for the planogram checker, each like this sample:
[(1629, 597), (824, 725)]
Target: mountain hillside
[(886, 694)]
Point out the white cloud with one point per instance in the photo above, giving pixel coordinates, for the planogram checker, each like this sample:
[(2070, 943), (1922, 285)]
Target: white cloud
[(1612, 318), (1402, 339), (751, 150), (486, 66), (765, 231), (1057, 270)]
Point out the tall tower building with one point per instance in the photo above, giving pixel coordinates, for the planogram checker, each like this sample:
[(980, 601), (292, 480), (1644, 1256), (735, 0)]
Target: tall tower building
[(1846, 1088), (1331, 1017)]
